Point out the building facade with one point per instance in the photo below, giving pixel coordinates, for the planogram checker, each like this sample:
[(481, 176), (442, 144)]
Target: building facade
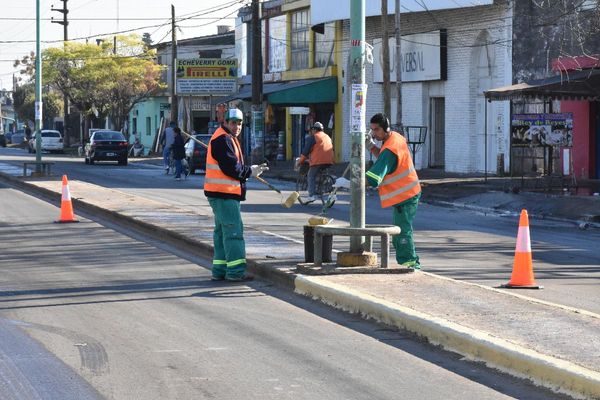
[(195, 111), (471, 46)]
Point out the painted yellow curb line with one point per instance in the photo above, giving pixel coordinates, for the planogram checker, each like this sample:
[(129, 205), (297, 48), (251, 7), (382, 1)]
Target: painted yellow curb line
[(557, 375)]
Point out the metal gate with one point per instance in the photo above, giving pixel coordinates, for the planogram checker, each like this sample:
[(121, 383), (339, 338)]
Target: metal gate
[(437, 139)]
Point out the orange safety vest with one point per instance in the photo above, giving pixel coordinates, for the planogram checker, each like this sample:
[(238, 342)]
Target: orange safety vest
[(215, 180), (322, 151), (403, 183)]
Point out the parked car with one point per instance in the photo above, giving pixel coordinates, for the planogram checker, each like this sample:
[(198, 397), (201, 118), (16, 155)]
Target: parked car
[(51, 141), (18, 137), (105, 145), (195, 153)]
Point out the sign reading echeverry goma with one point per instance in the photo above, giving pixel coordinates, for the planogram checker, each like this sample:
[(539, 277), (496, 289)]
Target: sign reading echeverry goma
[(203, 76)]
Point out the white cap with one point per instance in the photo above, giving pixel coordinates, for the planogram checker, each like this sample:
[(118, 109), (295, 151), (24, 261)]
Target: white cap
[(234, 113)]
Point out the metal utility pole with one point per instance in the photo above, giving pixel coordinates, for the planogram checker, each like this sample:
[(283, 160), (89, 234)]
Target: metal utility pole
[(65, 24), (174, 105), (385, 53), (38, 90), (398, 68), (358, 124), (258, 120)]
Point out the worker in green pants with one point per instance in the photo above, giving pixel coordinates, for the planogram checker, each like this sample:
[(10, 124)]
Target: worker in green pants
[(225, 188), (396, 179)]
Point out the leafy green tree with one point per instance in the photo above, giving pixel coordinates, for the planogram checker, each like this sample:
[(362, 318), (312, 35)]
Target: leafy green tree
[(99, 79), (24, 103)]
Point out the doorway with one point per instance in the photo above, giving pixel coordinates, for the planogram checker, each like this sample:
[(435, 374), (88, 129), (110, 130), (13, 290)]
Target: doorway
[(437, 138)]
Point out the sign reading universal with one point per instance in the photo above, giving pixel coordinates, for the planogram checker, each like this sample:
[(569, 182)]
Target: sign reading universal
[(424, 57), (204, 76)]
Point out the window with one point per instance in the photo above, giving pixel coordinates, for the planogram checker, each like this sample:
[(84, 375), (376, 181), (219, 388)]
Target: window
[(324, 45), (148, 124), (300, 39)]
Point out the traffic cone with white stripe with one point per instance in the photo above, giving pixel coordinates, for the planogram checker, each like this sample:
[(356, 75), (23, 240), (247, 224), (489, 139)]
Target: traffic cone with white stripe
[(66, 207), (522, 274)]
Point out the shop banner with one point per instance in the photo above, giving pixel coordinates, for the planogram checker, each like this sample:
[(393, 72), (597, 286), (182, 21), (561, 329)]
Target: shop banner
[(358, 116), (204, 76), (542, 130)]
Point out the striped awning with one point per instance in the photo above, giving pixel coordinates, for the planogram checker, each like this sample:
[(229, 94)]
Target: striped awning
[(576, 85)]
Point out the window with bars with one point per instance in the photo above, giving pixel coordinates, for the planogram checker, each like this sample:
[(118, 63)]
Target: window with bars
[(300, 39)]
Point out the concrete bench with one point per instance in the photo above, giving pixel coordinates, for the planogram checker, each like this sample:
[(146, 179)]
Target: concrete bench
[(383, 231), (45, 166)]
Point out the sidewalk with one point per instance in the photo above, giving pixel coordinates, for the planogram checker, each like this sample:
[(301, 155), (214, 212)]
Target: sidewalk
[(492, 195), (555, 346)]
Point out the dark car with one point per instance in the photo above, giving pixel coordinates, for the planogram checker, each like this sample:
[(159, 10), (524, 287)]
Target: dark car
[(195, 153), (106, 145)]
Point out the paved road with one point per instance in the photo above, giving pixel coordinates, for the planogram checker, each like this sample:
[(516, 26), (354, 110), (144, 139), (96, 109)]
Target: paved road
[(455, 243), (138, 320)]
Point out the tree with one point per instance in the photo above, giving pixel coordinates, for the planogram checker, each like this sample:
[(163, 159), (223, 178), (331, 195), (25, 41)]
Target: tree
[(24, 103), (147, 39), (98, 80)]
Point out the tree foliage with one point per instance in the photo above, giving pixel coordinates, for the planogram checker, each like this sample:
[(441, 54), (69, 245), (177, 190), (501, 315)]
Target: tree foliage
[(99, 79), (24, 102)]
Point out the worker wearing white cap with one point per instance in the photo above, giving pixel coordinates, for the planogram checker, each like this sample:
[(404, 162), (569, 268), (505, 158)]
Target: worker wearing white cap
[(225, 187)]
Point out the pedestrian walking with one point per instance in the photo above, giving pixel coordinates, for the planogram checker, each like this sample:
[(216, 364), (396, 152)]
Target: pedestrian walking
[(318, 149), (225, 188), (166, 140), (178, 148), (396, 179)]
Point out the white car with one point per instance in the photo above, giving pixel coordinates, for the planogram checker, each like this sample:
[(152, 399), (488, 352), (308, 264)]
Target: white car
[(51, 141)]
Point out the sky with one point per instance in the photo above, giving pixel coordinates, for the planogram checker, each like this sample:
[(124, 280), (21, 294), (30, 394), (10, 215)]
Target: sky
[(104, 17)]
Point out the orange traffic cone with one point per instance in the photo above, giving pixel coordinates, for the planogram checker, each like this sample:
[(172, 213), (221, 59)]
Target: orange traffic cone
[(522, 274), (66, 207)]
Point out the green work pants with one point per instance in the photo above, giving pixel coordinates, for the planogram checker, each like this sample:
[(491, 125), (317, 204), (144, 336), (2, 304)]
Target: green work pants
[(229, 260), (404, 213)]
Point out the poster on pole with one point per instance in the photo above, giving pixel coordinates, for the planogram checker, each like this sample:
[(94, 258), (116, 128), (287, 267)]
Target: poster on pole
[(358, 116), (204, 76)]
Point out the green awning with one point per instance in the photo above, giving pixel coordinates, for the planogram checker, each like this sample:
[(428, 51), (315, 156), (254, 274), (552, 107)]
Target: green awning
[(307, 91)]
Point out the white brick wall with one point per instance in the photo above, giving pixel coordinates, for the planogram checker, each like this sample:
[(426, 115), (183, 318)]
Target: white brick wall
[(464, 149)]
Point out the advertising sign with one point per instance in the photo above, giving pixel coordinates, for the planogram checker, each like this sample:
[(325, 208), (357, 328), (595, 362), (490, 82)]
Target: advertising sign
[(204, 76), (542, 130), (277, 44), (423, 57)]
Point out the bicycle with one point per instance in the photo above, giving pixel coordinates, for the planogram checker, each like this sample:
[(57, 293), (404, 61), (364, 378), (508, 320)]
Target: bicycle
[(323, 185)]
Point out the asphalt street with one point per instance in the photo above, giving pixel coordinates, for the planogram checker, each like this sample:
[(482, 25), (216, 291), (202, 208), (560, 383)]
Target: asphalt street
[(124, 317), (456, 243)]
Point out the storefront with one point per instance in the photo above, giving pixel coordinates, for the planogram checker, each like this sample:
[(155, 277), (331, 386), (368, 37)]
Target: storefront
[(555, 125)]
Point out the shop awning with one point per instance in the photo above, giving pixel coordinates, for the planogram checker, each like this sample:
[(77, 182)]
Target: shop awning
[(293, 93), (577, 85)]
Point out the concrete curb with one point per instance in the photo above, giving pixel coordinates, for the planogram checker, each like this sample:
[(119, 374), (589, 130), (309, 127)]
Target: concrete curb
[(558, 375)]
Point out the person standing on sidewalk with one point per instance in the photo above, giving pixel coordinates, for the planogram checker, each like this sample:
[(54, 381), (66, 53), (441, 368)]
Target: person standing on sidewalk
[(178, 148), (167, 141), (318, 149), (225, 188), (396, 179)]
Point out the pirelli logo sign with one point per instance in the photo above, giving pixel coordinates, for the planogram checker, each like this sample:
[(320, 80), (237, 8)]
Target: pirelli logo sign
[(206, 76)]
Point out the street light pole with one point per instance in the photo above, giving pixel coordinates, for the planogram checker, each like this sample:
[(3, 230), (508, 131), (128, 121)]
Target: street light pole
[(358, 120), (38, 91)]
